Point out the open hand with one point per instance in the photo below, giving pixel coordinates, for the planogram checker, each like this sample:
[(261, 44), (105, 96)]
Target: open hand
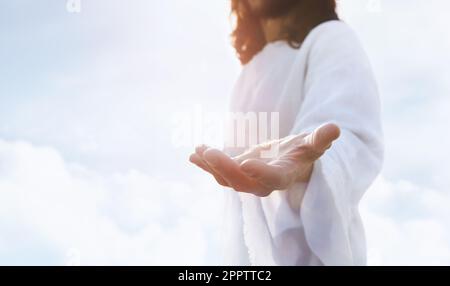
[(251, 173)]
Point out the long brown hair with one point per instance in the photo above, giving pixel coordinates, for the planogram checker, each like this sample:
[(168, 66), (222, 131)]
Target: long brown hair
[(248, 38)]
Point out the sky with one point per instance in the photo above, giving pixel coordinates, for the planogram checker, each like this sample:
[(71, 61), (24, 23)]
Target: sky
[(91, 171)]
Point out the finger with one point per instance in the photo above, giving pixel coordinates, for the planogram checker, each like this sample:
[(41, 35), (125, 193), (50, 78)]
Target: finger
[(252, 153), (195, 159), (255, 152), (322, 137), (313, 145), (272, 176), (230, 171), (200, 150)]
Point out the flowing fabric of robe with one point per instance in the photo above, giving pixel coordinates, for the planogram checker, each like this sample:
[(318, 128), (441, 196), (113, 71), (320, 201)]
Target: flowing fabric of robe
[(329, 79)]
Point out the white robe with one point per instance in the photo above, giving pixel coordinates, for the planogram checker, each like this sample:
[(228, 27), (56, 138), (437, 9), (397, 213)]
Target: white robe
[(329, 79)]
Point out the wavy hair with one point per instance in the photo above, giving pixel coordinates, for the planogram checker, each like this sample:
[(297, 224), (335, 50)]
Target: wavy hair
[(248, 38)]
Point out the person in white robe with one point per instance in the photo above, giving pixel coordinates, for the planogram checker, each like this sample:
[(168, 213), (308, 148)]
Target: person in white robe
[(301, 206)]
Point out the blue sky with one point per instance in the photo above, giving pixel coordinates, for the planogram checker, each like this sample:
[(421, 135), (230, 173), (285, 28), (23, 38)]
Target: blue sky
[(88, 170)]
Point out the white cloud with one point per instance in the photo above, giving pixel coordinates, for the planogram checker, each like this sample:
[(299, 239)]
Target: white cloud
[(53, 211), (114, 76), (406, 224), (103, 106), (406, 212)]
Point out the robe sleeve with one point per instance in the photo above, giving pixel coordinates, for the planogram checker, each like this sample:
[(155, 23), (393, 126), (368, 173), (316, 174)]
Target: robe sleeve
[(340, 88)]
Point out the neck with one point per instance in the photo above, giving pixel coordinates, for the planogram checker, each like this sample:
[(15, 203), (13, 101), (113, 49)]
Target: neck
[(273, 28)]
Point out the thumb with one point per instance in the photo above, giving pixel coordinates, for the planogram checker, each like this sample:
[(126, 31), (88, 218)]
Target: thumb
[(322, 137)]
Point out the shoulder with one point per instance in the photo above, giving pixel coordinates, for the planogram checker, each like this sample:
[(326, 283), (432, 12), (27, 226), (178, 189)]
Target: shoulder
[(330, 32), (334, 42)]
